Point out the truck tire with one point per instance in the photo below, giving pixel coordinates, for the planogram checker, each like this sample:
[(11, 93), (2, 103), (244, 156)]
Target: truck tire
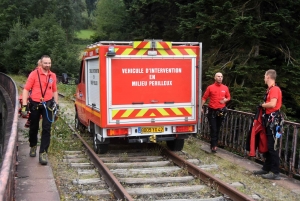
[(99, 148), (175, 145), (78, 125)]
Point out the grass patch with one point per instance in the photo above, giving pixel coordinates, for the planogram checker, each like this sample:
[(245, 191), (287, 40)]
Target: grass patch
[(19, 80), (67, 90), (230, 172), (85, 34)]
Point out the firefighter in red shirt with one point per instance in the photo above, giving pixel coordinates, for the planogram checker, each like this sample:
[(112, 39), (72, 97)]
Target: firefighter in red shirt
[(219, 95), (27, 124), (43, 101), (273, 121)]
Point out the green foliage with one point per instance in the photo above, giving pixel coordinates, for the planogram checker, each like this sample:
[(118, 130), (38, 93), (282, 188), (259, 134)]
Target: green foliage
[(152, 19), (91, 6), (68, 14), (241, 39), (67, 90), (85, 34), (16, 45), (244, 39), (110, 18), (61, 137), (42, 37)]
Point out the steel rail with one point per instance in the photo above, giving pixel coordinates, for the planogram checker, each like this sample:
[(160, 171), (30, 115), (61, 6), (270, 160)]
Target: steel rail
[(114, 184), (206, 177)]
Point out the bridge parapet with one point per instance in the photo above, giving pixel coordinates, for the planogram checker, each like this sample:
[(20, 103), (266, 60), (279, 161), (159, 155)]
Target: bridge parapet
[(233, 137), (8, 136)]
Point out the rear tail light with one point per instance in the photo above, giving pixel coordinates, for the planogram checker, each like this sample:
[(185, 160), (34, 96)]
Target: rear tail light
[(118, 131), (182, 129)]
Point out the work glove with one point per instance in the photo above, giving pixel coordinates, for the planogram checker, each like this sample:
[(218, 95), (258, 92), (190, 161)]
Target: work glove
[(259, 105), (24, 110)]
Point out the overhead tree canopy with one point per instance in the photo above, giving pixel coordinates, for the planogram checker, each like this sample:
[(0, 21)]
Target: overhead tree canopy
[(110, 20), (242, 39)]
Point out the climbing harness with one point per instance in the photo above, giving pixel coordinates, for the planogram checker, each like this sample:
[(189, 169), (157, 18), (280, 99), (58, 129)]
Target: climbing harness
[(275, 120), (53, 106)]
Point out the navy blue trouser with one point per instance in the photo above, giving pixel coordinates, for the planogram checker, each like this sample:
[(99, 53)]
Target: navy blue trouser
[(36, 112), (215, 123), (272, 156)]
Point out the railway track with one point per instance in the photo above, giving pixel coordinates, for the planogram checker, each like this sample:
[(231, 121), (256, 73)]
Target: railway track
[(144, 172), (140, 172)]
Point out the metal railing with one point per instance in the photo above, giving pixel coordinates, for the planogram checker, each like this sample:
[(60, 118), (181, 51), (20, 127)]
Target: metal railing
[(233, 137), (8, 165)]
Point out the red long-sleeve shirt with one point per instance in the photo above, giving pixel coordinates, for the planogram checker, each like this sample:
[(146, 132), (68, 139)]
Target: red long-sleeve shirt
[(216, 92)]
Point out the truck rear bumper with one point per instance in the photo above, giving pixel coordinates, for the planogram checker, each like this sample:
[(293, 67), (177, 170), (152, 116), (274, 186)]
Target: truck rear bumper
[(159, 138)]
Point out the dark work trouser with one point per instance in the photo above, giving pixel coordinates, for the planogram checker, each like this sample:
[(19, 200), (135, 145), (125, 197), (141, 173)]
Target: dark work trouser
[(272, 156), (215, 123), (36, 111)]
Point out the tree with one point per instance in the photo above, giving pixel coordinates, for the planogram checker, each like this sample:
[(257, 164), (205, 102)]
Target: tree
[(243, 39), (110, 20), (43, 36), (12, 11), (13, 50), (91, 6), (68, 14), (153, 19)]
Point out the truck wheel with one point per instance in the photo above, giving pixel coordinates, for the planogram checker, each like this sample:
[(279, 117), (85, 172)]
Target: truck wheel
[(175, 145), (78, 125), (99, 148)]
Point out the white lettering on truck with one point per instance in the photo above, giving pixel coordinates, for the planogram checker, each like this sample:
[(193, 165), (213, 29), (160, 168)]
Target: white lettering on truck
[(132, 70), (152, 76), (160, 83), (163, 70), (139, 83)]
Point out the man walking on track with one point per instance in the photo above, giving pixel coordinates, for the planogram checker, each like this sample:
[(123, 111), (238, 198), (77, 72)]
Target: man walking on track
[(43, 101), (219, 95)]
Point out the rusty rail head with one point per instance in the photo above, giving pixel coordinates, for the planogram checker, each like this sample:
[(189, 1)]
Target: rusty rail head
[(206, 177), (110, 179)]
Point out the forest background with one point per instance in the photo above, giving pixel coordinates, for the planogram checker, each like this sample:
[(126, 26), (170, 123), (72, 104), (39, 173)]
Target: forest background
[(240, 38)]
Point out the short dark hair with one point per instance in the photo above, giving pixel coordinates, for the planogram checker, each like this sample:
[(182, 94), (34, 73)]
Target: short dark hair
[(272, 73), (44, 56)]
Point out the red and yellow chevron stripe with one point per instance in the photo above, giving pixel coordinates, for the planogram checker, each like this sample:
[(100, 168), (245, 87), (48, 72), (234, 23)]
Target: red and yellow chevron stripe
[(163, 45), (152, 113), (149, 44), (142, 44), (164, 52)]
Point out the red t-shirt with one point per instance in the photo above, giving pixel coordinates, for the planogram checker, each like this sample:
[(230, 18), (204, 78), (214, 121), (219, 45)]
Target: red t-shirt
[(216, 92), (274, 92), (34, 84)]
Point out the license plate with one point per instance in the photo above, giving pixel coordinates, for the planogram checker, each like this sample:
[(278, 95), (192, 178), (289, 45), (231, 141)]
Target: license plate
[(152, 129)]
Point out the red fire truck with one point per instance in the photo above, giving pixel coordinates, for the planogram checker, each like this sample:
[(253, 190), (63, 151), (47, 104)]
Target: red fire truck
[(141, 91)]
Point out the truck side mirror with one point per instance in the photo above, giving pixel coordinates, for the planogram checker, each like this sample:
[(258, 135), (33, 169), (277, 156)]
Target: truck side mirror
[(65, 79)]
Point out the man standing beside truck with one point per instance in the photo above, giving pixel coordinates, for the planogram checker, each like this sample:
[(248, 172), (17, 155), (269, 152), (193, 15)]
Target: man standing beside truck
[(219, 95)]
